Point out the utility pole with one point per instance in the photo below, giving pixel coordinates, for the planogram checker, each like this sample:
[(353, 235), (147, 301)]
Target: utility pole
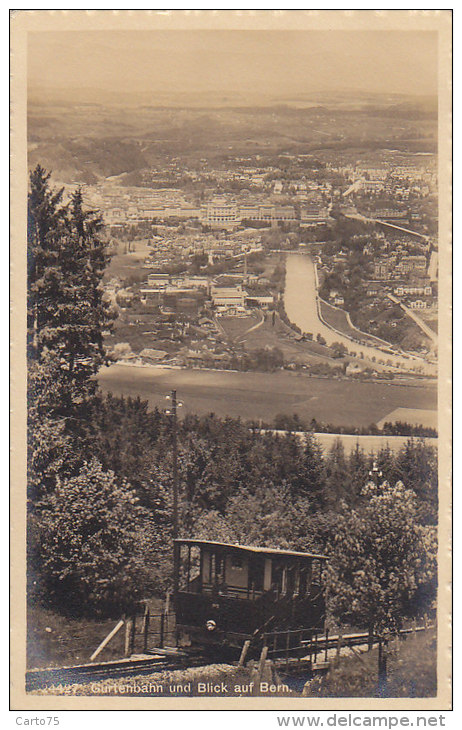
[(176, 554), (175, 464)]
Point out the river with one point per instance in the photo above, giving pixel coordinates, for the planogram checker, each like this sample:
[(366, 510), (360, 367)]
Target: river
[(300, 301)]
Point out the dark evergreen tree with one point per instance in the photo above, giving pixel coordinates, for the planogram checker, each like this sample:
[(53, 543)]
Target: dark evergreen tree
[(45, 224), (67, 259), (313, 471), (358, 469), (67, 313), (337, 482)]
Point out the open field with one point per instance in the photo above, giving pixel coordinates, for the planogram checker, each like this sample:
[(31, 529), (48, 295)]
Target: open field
[(280, 336), (430, 317), (236, 327), (368, 443), (264, 395), (123, 264), (418, 416)]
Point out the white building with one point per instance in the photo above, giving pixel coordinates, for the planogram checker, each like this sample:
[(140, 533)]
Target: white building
[(158, 280), (220, 212), (228, 296)]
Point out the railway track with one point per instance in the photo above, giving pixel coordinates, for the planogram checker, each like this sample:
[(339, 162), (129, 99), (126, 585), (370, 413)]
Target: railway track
[(85, 673), (172, 659), (325, 647)]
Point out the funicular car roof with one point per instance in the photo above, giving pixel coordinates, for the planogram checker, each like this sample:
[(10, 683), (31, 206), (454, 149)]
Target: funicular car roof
[(250, 549)]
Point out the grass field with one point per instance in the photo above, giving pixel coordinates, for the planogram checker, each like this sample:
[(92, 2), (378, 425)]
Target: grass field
[(236, 327), (264, 395), (54, 640), (411, 672), (123, 265), (280, 335), (337, 319), (369, 444)]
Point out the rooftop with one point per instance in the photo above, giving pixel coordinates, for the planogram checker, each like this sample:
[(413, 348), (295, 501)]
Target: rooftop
[(250, 548)]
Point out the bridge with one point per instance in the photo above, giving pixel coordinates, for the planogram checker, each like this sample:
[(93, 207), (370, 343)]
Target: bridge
[(360, 217)]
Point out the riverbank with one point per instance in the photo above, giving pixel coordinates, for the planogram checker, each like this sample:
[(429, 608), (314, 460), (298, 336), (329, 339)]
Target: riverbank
[(301, 303)]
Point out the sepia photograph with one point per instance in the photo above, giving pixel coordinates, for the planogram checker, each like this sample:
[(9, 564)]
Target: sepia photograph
[(231, 297)]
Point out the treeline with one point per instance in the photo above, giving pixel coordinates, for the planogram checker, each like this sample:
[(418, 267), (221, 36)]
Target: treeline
[(236, 484), (283, 422), (100, 467)]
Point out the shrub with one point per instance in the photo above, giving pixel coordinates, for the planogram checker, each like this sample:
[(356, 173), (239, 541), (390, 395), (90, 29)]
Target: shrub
[(92, 540), (382, 559)]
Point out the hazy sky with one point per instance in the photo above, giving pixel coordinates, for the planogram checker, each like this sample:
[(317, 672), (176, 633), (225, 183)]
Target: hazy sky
[(280, 63)]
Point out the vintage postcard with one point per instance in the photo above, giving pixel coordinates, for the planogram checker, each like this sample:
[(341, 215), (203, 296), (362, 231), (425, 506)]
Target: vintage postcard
[(231, 381)]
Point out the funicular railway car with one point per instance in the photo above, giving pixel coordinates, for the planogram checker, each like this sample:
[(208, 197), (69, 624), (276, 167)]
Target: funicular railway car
[(226, 594)]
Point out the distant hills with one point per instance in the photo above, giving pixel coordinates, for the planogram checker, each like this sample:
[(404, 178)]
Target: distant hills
[(344, 99), (85, 139)]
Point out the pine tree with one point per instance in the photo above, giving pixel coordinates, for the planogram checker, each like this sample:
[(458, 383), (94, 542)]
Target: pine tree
[(312, 471), (66, 316), (67, 259), (337, 482), (45, 221)]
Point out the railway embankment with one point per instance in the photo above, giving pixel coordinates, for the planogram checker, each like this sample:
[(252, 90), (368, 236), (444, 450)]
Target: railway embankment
[(212, 680), (410, 671)]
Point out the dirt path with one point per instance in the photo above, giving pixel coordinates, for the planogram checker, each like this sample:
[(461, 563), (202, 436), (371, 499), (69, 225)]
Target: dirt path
[(251, 329)]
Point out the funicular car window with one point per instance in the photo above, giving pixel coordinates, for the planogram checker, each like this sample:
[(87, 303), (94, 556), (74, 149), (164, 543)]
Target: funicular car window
[(189, 568), (183, 569), (215, 575), (291, 571), (278, 578), (316, 572), (304, 580), (194, 569), (256, 573)]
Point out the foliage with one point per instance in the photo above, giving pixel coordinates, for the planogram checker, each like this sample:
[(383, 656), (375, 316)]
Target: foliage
[(66, 309), (50, 451), (339, 349), (380, 557), (94, 543), (270, 517)]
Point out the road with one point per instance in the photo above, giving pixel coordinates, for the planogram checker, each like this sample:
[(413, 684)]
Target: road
[(301, 305), (419, 322)]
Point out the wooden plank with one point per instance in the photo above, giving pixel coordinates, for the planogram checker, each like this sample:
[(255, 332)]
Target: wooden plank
[(261, 663), (320, 666), (106, 641), (128, 634), (245, 649), (145, 627)]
